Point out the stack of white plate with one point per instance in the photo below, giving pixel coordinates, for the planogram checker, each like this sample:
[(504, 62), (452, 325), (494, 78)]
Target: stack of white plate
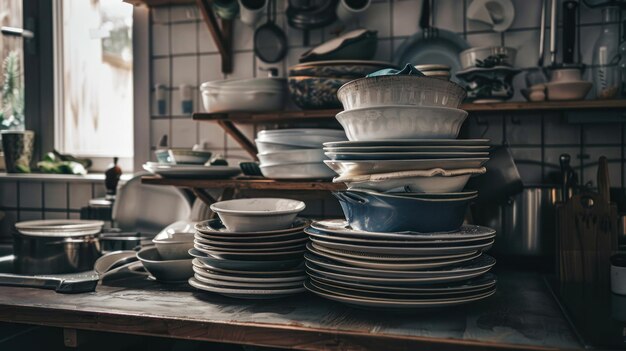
[(399, 270), (295, 153), (249, 265), (59, 227), (416, 165)]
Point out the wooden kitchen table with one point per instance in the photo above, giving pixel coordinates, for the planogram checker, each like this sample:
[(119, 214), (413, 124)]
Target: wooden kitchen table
[(521, 315)]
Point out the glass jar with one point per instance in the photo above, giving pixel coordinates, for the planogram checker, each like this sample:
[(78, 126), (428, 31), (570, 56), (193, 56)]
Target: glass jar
[(606, 70)]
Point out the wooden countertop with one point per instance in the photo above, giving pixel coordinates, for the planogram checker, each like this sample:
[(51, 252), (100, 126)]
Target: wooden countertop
[(521, 315)]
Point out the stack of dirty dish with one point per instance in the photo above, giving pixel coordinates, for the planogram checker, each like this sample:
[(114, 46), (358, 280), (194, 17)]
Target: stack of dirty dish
[(402, 243), (295, 153), (168, 261), (254, 251)]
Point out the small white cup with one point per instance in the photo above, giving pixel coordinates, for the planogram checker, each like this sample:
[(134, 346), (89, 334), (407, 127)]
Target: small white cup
[(251, 11), (348, 10)]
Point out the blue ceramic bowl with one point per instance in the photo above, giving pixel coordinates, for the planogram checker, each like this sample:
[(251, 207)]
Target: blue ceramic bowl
[(379, 212)]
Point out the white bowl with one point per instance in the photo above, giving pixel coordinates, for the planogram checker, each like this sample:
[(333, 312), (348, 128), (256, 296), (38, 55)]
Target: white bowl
[(266, 147), (304, 140), (174, 247), (254, 83), (401, 122), (165, 270), (189, 156), (564, 91), (292, 156), (311, 171), (264, 134), (400, 90), (258, 214)]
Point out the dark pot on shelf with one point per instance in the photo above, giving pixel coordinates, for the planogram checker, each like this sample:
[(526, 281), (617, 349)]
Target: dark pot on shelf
[(18, 150)]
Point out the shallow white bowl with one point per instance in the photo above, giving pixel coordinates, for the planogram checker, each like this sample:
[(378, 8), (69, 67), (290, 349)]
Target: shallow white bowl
[(292, 156), (243, 100), (165, 270), (310, 171), (258, 214), (175, 247), (189, 156), (304, 140), (265, 147), (262, 135), (565, 91), (400, 90), (401, 122)]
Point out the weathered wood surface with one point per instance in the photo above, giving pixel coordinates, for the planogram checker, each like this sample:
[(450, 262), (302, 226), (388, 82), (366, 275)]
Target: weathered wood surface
[(244, 183), (521, 315)]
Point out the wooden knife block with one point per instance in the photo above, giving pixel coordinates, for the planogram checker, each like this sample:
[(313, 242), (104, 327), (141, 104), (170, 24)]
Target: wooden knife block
[(587, 227)]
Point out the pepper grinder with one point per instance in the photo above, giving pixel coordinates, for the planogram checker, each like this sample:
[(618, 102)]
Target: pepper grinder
[(111, 179)]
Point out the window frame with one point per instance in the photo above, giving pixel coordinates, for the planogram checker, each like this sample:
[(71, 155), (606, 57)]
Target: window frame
[(42, 88)]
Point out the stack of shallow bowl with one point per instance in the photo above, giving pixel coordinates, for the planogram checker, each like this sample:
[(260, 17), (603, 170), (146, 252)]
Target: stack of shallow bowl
[(295, 153), (435, 70), (314, 85), (403, 243), (254, 251)]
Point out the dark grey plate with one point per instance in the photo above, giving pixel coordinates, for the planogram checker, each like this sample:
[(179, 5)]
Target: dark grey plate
[(246, 265)]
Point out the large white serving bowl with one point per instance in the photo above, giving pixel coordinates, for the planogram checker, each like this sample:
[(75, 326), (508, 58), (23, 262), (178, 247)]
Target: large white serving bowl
[(401, 122), (310, 171), (292, 156), (400, 90), (257, 214)]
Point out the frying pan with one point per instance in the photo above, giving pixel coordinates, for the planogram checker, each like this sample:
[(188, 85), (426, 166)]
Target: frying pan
[(270, 42), (432, 45)]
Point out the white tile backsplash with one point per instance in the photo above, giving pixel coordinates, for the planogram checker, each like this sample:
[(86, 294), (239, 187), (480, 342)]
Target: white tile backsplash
[(55, 195), (31, 194), (184, 71), (448, 15), (406, 17), (184, 132), (380, 21), (242, 66), (160, 39), (161, 72), (184, 38)]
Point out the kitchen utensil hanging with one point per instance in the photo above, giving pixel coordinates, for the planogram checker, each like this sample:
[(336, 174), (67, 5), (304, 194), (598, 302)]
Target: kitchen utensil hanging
[(310, 14), (270, 42)]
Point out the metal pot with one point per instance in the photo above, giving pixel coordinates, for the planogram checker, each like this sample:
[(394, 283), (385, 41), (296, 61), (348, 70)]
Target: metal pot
[(116, 241), (54, 255), (525, 225)]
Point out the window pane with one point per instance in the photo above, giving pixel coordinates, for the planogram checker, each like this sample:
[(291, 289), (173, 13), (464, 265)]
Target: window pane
[(96, 114), (12, 75)]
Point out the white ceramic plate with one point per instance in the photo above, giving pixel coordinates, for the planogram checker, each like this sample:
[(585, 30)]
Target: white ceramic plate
[(372, 257), (270, 133), (392, 281), (384, 166), (302, 139), (410, 143), (273, 238), (246, 276), (399, 266), (205, 278), (404, 250), (191, 171), (246, 293), (303, 171), (402, 155), (341, 228), (249, 249), (481, 282), (59, 227), (274, 273), (215, 227), (265, 264), (254, 256), (292, 156), (338, 237), (401, 148), (258, 244), (476, 265), (392, 303)]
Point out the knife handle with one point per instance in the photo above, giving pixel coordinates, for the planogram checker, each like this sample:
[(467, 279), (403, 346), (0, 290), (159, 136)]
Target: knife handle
[(570, 9)]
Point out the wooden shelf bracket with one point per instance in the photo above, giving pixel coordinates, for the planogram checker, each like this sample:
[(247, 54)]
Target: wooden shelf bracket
[(221, 36)]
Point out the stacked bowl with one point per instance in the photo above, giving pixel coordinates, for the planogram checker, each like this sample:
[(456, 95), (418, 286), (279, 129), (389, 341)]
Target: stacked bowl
[(295, 153), (254, 251), (402, 243)]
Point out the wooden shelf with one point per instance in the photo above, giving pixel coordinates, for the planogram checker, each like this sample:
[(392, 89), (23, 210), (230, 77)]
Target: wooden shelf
[(244, 183), (295, 115)]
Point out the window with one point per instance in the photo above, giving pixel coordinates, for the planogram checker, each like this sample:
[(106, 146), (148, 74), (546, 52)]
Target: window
[(12, 63), (94, 79)]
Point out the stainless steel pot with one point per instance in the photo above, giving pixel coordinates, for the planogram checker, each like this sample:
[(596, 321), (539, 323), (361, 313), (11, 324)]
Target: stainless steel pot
[(525, 225), (54, 255)]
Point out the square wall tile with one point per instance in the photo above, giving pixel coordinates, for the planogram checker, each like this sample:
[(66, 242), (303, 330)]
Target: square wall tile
[(210, 68), (184, 132), (184, 13), (206, 44), (55, 215), (160, 14), (485, 126), (484, 39), (527, 44), (31, 194), (380, 20), (406, 17), (558, 132), (523, 128), (8, 194), (449, 15), (243, 36), (30, 215), (242, 66), (158, 128), (80, 194), (160, 39), (528, 160), (55, 195), (528, 13), (212, 134), (384, 50), (184, 71), (184, 38), (161, 72), (7, 223), (602, 134)]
